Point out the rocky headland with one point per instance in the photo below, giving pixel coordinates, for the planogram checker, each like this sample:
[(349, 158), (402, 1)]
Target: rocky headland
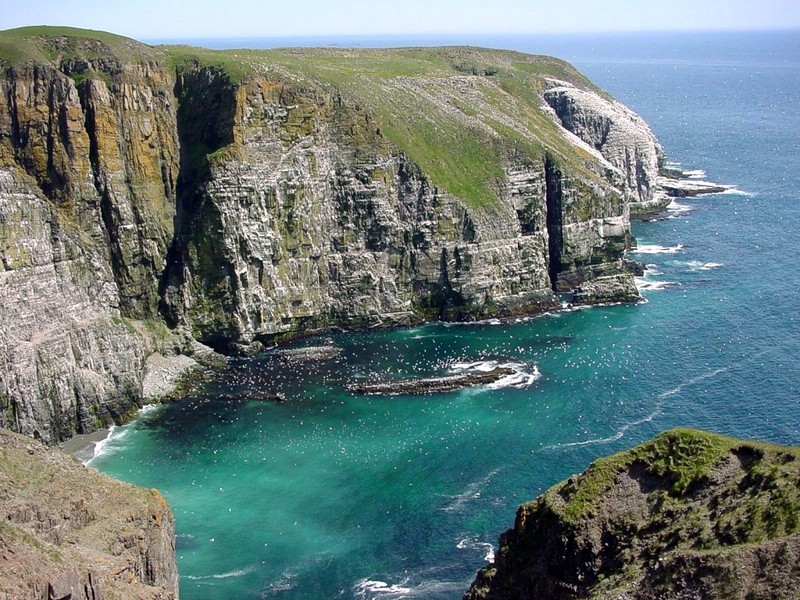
[(67, 531), (686, 515), (154, 198)]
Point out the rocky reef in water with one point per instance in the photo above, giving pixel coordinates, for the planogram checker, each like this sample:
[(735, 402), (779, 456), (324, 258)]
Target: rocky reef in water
[(687, 515), (67, 531), (155, 197)]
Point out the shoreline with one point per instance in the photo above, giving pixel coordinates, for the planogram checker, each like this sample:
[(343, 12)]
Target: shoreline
[(82, 445)]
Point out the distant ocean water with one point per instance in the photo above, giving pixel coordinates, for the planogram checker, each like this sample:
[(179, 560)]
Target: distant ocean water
[(333, 495)]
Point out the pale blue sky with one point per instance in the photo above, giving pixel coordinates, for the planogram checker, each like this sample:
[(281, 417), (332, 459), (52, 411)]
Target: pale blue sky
[(156, 19)]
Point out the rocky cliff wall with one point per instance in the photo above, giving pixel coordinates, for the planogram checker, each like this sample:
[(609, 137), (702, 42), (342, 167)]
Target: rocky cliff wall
[(620, 135), (67, 531), (250, 199), (303, 215), (88, 164), (686, 515), (313, 219)]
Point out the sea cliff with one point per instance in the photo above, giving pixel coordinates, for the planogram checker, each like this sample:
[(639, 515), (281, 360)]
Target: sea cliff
[(66, 531), (688, 514), (155, 197)]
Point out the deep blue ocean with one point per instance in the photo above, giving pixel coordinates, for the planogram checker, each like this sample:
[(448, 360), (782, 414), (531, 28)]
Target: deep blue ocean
[(337, 495)]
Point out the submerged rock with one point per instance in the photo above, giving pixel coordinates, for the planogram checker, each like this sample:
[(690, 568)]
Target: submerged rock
[(431, 385), (687, 515)]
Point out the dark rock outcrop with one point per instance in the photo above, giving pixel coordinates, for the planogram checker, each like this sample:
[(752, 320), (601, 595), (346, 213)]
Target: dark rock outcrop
[(430, 385), (686, 515), (67, 531)]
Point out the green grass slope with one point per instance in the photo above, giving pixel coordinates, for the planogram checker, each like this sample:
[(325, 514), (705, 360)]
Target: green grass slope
[(461, 113)]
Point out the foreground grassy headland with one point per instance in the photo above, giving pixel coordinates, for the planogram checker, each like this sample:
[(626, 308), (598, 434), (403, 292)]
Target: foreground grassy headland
[(689, 514)]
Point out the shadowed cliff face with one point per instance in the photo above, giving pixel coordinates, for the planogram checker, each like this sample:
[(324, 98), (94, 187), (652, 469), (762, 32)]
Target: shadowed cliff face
[(250, 199), (104, 151), (686, 515)]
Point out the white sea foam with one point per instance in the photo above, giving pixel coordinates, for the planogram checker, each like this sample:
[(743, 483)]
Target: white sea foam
[(473, 492), (656, 249), (651, 270), (643, 284), (612, 438), (473, 543), (697, 265), (694, 173), (235, 573), (661, 401), (522, 377), (149, 408), (285, 583), (370, 588), (115, 434), (676, 209)]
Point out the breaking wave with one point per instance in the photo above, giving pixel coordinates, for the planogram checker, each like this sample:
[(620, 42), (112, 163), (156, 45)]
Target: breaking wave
[(473, 543), (523, 375), (656, 249), (101, 448), (372, 589), (643, 284)]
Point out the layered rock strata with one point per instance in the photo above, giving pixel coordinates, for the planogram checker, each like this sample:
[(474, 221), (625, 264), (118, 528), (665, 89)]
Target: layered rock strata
[(686, 515), (67, 531)]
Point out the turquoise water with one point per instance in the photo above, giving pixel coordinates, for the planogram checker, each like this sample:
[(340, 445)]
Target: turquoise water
[(336, 495)]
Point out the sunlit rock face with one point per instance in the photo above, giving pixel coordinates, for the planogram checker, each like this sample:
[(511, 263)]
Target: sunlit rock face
[(149, 196)]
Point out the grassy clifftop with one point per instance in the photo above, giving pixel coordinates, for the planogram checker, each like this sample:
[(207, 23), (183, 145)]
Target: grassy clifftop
[(47, 44), (689, 514), (460, 113)]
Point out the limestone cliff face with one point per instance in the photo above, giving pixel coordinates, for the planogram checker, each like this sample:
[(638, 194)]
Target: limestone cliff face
[(66, 529), (310, 218), (619, 134), (104, 151), (247, 199), (88, 162), (686, 515)]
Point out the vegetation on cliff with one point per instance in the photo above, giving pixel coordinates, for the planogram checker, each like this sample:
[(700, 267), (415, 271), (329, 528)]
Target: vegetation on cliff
[(688, 514), (457, 112), (66, 529)]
